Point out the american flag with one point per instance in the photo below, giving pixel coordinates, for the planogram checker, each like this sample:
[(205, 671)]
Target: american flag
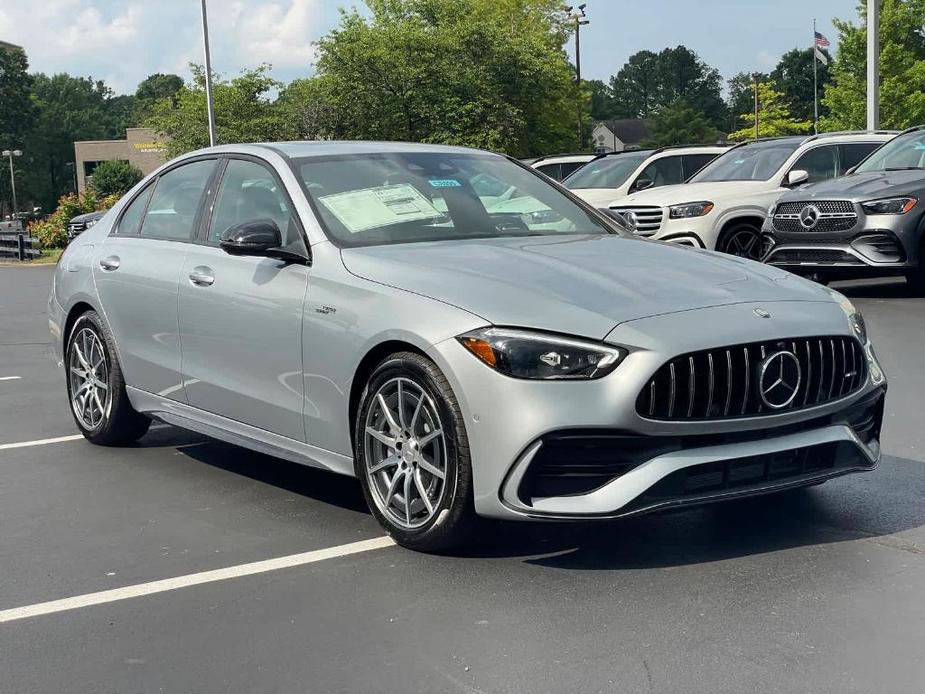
[(821, 40)]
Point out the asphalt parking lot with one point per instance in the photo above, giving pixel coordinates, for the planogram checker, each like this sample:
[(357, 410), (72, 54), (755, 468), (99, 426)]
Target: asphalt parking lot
[(815, 590)]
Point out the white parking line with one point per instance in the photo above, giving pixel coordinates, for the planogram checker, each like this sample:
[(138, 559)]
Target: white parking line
[(141, 589), (10, 378), (40, 442)]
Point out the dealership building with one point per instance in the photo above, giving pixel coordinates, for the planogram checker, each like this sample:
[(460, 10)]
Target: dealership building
[(142, 148)]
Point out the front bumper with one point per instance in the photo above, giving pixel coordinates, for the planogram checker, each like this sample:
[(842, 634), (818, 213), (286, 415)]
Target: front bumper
[(877, 245), (614, 462)]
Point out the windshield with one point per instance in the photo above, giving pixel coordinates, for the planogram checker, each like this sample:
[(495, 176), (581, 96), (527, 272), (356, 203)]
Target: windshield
[(607, 172), (402, 197), (902, 152), (756, 161)]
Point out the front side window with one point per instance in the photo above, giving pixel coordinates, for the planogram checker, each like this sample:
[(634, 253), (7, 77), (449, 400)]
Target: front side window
[(818, 162), (130, 224), (404, 197), (902, 152), (610, 171), (661, 172), (174, 207), (249, 192), (854, 153), (756, 161), (554, 171), (694, 162)]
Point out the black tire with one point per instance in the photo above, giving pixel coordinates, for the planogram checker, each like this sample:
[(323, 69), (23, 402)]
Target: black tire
[(449, 519), (118, 422), (731, 241)]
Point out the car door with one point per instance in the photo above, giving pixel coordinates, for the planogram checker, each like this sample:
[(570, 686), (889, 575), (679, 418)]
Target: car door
[(137, 270), (240, 317)]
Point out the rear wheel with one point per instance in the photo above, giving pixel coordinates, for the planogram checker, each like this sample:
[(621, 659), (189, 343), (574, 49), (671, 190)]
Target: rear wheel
[(742, 239), (412, 455), (95, 387)]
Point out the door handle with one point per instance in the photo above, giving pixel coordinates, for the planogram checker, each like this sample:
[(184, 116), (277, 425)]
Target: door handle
[(110, 263), (202, 276)]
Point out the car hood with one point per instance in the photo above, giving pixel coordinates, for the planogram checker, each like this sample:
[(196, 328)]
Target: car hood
[(580, 285), (862, 186), (694, 192)]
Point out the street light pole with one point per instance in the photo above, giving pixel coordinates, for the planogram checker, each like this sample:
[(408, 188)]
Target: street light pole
[(10, 153), (873, 64), (210, 107), (580, 20)]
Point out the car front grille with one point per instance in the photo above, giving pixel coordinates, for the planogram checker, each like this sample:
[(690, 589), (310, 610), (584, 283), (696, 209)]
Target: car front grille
[(648, 219), (813, 256), (830, 216), (76, 227), (737, 381)]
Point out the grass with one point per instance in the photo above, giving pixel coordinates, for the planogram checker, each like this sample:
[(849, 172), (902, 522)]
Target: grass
[(49, 257)]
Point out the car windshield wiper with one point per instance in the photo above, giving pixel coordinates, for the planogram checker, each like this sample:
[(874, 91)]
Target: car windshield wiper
[(903, 168)]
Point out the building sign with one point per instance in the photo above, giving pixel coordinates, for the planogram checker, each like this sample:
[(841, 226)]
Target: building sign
[(149, 146)]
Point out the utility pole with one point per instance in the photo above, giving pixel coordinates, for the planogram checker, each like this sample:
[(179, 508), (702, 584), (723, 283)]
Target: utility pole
[(580, 20), (873, 64), (210, 107), (755, 76), (815, 83), (12, 153)]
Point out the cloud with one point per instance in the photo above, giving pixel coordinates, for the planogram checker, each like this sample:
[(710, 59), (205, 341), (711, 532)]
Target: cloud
[(124, 42)]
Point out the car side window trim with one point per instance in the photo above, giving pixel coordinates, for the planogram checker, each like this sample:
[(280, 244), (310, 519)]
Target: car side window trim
[(202, 234), (152, 186)]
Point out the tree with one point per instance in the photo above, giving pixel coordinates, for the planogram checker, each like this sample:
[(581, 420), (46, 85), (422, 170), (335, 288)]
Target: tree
[(742, 96), (650, 80), (243, 112), (601, 100), (152, 89), (114, 178), (793, 77), (679, 123), (774, 117), (16, 112), (902, 69), (470, 72)]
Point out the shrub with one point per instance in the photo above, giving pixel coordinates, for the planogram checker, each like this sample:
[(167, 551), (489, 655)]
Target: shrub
[(52, 231), (114, 178)]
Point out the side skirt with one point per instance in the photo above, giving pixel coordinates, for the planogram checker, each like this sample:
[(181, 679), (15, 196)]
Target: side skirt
[(238, 434)]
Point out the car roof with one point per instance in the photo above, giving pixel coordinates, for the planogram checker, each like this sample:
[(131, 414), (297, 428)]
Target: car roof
[(323, 148), (564, 158)]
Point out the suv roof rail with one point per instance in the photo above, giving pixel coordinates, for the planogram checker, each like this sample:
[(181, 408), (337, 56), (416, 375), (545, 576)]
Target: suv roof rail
[(912, 129), (836, 133), (566, 154), (658, 150)]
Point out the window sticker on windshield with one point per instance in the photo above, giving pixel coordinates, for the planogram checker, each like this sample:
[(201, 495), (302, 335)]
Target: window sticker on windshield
[(444, 183), (919, 146), (370, 208)]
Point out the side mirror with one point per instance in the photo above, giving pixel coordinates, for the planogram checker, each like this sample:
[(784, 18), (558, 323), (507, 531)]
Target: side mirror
[(797, 176), (643, 183), (258, 237)]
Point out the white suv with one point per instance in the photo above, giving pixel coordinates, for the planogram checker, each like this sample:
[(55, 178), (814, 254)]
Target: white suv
[(724, 205), (616, 174), (560, 166)]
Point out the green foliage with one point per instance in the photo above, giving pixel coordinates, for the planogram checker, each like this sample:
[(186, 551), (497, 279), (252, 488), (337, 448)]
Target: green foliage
[(774, 117), (152, 89), (902, 69), (793, 77), (679, 123), (114, 178), (16, 109), (52, 231), (601, 100), (742, 96), (468, 72), (243, 112), (649, 81)]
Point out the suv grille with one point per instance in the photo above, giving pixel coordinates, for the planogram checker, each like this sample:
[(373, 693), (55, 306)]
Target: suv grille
[(833, 216), (648, 219), (737, 381)]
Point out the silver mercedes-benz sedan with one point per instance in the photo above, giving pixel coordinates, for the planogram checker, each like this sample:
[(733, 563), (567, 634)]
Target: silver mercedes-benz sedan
[(464, 336)]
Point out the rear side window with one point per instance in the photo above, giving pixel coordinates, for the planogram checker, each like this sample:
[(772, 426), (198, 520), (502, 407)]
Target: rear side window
[(174, 208), (568, 169), (554, 171), (854, 153), (694, 162), (130, 223), (819, 162)]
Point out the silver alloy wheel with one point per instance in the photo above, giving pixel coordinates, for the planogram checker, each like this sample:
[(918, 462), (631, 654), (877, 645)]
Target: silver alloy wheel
[(88, 370), (744, 243), (406, 457)]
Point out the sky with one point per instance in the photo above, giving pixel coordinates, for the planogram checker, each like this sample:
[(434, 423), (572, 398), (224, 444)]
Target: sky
[(123, 41)]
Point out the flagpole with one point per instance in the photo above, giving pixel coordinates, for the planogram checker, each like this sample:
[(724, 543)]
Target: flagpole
[(815, 83)]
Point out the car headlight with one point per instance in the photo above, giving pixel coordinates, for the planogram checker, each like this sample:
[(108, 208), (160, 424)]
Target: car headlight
[(855, 319), (532, 355), (543, 217), (889, 205), (690, 209)]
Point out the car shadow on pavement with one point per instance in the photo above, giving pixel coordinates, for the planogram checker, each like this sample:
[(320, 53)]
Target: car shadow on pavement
[(884, 288)]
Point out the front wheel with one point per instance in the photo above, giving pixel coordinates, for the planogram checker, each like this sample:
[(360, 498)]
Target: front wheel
[(743, 240), (95, 386), (412, 455)]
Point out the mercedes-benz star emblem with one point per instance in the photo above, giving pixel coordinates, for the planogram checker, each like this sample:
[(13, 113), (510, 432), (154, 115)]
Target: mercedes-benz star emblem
[(761, 313), (809, 216), (779, 378)]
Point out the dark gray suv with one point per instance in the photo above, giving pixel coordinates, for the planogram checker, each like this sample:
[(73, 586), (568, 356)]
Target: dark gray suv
[(867, 223)]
